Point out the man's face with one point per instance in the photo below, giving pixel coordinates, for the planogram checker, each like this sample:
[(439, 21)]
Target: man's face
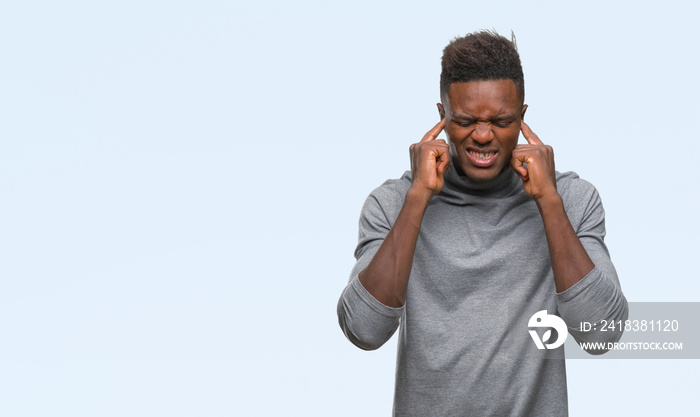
[(482, 123)]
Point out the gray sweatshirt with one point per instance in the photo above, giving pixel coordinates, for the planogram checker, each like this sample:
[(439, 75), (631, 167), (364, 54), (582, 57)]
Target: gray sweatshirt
[(481, 269)]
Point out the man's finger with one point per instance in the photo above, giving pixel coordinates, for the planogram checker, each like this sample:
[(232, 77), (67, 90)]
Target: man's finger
[(517, 162), (530, 136), (434, 132), (444, 163), (442, 156)]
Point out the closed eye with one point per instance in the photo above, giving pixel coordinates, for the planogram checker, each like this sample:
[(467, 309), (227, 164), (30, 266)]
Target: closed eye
[(497, 123), (464, 122), (503, 124)]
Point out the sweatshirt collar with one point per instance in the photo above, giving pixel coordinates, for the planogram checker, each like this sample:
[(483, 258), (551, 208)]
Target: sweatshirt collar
[(456, 185)]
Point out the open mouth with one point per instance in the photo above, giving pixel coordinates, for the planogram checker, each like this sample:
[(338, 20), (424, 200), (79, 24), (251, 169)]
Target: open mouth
[(482, 159), (482, 155)]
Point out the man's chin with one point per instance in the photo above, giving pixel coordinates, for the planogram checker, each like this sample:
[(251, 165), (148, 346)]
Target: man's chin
[(476, 174)]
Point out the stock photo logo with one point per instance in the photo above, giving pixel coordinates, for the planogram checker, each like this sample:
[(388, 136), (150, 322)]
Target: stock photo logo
[(542, 319)]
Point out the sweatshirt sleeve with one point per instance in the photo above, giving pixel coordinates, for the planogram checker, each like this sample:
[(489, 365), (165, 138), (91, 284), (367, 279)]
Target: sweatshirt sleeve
[(366, 322), (598, 295)]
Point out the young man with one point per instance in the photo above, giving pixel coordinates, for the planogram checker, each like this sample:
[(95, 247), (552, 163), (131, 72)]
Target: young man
[(460, 251)]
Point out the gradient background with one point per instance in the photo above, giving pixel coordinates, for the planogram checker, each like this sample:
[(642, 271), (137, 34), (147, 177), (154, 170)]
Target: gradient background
[(181, 183)]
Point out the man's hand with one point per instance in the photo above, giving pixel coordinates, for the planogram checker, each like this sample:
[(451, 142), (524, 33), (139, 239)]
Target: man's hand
[(430, 159), (539, 180)]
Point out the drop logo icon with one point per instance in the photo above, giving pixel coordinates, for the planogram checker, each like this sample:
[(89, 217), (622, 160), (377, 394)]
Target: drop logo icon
[(542, 319)]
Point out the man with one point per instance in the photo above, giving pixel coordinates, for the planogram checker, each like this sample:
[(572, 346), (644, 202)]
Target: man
[(480, 234)]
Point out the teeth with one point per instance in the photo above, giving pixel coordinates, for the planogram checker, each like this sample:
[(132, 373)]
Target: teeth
[(481, 155)]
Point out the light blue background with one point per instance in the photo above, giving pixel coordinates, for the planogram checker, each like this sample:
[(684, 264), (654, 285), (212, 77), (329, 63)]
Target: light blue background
[(181, 182)]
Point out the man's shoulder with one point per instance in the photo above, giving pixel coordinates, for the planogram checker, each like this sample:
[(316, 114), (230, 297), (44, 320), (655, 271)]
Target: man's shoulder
[(570, 184), (390, 195), (580, 197), (393, 188)]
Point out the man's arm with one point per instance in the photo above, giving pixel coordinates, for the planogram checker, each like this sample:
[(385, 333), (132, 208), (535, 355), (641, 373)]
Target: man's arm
[(386, 276), (570, 262), (371, 305), (585, 279)]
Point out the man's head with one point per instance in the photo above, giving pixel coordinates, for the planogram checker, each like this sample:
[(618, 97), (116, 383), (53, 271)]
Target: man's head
[(482, 92)]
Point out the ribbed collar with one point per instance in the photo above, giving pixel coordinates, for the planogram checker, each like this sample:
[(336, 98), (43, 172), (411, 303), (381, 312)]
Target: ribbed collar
[(457, 187)]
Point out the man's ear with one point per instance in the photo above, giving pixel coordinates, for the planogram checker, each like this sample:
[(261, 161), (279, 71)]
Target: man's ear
[(522, 115), (441, 111)]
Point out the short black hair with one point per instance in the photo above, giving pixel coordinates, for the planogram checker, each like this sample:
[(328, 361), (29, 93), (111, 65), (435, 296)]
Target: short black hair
[(482, 55)]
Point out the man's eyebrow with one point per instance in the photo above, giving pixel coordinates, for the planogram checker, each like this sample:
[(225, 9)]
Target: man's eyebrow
[(497, 118)]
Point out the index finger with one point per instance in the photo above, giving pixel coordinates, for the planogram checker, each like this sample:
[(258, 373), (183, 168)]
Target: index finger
[(529, 135), (434, 132)]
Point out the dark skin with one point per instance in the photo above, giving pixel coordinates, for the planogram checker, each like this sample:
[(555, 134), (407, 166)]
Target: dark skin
[(482, 120)]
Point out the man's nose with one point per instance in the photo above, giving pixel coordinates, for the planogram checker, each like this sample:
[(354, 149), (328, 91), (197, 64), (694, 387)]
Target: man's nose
[(483, 133)]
